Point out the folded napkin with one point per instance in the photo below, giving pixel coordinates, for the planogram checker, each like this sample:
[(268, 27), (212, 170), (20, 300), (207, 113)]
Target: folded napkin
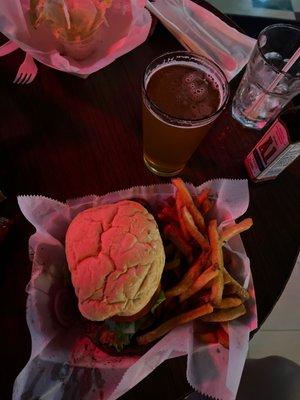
[(202, 32)]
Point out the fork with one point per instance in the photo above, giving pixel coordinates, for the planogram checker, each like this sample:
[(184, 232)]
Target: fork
[(27, 71)]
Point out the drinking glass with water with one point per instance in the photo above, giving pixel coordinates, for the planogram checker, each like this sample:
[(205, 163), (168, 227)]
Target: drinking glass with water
[(257, 101)]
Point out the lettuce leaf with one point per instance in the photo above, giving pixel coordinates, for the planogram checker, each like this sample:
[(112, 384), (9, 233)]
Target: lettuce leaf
[(122, 327), (124, 331), (160, 299)]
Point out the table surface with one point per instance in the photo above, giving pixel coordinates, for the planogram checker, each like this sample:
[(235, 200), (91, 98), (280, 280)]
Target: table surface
[(64, 137)]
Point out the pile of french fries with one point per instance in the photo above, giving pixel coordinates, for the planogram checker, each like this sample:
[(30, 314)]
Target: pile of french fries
[(205, 290)]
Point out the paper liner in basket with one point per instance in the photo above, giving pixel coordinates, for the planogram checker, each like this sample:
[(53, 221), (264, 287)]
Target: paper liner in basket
[(127, 26), (64, 364)]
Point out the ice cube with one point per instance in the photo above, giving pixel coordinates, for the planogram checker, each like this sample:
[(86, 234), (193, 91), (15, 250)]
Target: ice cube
[(272, 55)]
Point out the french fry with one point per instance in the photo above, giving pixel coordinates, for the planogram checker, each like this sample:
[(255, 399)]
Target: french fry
[(193, 230), (226, 277), (203, 202), (234, 230), (173, 322), (223, 337), (174, 235), (217, 259), (179, 206), (236, 290), (216, 250), (225, 315), (207, 205), (229, 302), (201, 197), (189, 277), (199, 283), (207, 287), (217, 289), (188, 201)]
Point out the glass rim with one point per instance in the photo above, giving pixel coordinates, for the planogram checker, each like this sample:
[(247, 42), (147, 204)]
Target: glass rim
[(280, 25), (184, 120)]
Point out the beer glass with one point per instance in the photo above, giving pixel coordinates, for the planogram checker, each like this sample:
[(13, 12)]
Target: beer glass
[(183, 94)]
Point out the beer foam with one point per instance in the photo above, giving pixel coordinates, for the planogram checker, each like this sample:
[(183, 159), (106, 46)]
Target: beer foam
[(213, 82), (202, 71), (183, 91), (192, 76), (194, 86)]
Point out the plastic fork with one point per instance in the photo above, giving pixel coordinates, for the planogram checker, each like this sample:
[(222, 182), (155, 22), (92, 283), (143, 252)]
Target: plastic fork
[(27, 71)]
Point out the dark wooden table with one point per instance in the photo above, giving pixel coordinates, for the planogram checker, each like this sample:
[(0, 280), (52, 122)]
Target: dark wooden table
[(65, 137)]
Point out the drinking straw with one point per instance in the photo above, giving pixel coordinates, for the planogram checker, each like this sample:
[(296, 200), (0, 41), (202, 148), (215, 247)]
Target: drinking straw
[(273, 84)]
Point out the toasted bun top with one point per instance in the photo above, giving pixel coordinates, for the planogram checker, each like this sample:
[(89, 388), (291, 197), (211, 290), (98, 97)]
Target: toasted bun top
[(116, 258)]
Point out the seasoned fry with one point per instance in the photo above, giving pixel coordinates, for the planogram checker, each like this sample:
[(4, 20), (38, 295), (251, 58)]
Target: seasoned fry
[(201, 197), (225, 315), (217, 259), (203, 202), (189, 277), (193, 230), (207, 205), (174, 235), (229, 302), (223, 337), (213, 235), (173, 322), (236, 289), (206, 286), (200, 282), (239, 290), (188, 201), (217, 289), (226, 276), (179, 206), (234, 230)]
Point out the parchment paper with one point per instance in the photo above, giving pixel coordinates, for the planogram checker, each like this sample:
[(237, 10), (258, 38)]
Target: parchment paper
[(64, 364), (128, 25)]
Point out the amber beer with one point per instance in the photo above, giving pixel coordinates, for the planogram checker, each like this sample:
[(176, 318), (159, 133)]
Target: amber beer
[(183, 94)]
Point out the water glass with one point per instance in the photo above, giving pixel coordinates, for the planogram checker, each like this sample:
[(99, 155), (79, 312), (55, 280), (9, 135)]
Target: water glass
[(254, 104)]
